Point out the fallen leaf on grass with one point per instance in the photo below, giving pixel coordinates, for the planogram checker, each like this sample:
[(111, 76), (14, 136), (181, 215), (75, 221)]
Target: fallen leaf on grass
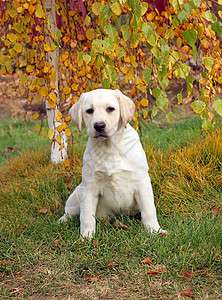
[(43, 210), (189, 293), (118, 224), (20, 227), (95, 243), (187, 274), (56, 242), (215, 211), (10, 149), (153, 272), (18, 275), (147, 261), (110, 267), (92, 278)]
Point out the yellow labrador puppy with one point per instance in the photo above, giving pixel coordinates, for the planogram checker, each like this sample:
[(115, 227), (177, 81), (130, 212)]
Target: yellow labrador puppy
[(115, 176)]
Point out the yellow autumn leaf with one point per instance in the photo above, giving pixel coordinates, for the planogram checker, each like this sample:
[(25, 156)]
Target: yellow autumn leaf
[(35, 116), (31, 9), (96, 6), (66, 163), (53, 97), (61, 127), (12, 13), (30, 68), (66, 90), (12, 37), (59, 113), (44, 133), (43, 91), (144, 102), (52, 76), (51, 133), (68, 132), (67, 119), (90, 34), (124, 70), (18, 48), (59, 139), (51, 104), (116, 8), (39, 13), (38, 127), (47, 47)]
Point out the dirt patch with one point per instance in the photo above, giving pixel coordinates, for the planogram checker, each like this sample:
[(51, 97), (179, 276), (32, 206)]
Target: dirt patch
[(14, 105)]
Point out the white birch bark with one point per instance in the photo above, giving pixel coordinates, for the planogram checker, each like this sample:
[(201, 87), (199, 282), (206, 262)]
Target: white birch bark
[(57, 154)]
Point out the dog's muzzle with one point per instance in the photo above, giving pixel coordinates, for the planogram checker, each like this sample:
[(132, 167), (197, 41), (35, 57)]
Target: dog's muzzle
[(99, 126)]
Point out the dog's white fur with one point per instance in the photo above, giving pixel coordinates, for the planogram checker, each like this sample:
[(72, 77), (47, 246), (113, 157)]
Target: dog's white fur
[(115, 172)]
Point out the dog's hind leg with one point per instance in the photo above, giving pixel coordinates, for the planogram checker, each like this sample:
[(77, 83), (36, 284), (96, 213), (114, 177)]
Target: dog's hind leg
[(72, 207)]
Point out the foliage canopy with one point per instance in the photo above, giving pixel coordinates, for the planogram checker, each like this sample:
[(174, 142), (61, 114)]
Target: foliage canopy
[(111, 43)]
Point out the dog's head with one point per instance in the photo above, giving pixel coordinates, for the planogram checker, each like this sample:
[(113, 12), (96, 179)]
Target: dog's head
[(102, 111)]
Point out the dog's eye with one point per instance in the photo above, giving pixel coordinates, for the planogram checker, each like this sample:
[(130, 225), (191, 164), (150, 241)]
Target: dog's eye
[(90, 111), (110, 109)]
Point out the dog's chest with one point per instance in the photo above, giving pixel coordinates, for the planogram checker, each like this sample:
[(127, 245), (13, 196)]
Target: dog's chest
[(116, 191)]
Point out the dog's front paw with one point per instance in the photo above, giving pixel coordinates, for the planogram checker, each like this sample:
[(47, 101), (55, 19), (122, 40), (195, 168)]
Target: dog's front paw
[(162, 231), (63, 219)]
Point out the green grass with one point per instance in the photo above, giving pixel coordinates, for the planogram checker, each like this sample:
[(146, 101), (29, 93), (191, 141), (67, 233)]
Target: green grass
[(42, 260)]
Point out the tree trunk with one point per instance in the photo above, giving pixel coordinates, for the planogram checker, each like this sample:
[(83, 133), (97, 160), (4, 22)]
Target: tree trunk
[(58, 152)]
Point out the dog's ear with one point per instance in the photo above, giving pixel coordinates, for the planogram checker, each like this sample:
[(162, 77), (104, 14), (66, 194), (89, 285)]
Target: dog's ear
[(75, 112), (127, 107)]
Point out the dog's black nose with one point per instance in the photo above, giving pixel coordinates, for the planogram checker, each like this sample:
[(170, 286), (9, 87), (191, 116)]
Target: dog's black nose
[(99, 126)]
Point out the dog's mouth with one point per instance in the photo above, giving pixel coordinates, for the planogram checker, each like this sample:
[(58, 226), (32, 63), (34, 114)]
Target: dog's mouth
[(100, 136)]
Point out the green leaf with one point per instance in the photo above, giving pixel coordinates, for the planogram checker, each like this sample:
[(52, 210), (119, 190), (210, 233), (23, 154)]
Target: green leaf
[(208, 63), (210, 17), (147, 30), (207, 125), (147, 75), (175, 21), (165, 50), (162, 102), (87, 20), (182, 16), (134, 39), (180, 98), (110, 30), (86, 58), (24, 79), (106, 83), (152, 39), (176, 4), (154, 112), (190, 36), (187, 8), (217, 105), (164, 83), (216, 27), (120, 52), (198, 106), (58, 34), (159, 60), (156, 92), (169, 117)]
